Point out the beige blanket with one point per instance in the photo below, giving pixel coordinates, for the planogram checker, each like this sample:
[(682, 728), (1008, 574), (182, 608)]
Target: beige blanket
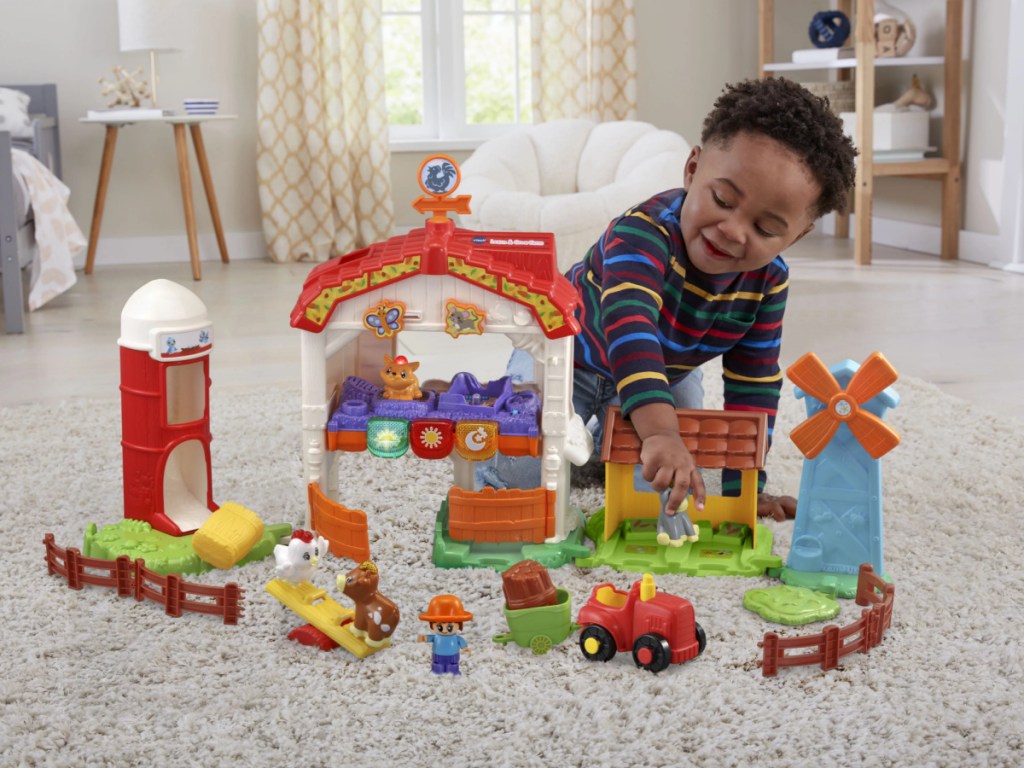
[(58, 236)]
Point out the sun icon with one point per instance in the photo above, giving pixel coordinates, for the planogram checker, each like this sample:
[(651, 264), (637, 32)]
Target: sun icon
[(431, 437), (388, 439)]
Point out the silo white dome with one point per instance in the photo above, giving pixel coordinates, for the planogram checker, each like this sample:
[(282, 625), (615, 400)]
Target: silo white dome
[(158, 308)]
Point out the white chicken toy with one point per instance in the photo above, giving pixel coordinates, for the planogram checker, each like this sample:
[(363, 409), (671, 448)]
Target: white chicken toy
[(297, 560)]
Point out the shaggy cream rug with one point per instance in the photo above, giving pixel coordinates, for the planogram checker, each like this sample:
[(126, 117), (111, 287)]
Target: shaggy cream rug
[(88, 678)]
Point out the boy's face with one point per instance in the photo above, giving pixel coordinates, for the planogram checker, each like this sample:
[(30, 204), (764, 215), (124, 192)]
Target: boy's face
[(746, 201)]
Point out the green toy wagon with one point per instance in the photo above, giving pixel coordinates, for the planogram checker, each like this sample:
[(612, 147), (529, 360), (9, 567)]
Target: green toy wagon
[(541, 628)]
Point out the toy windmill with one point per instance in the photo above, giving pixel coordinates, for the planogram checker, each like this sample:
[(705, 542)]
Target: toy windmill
[(838, 524)]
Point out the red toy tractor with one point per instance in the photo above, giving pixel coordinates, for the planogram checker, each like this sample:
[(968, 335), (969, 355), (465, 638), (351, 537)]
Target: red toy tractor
[(659, 628)]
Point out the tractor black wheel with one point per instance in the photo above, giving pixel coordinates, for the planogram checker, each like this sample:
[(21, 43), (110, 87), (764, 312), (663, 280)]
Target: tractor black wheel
[(652, 652), (702, 639), (597, 643)]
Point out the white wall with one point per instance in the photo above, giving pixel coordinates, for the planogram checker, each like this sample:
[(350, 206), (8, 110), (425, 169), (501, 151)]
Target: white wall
[(687, 49)]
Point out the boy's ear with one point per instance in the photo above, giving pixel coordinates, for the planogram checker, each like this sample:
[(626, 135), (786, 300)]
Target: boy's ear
[(691, 166)]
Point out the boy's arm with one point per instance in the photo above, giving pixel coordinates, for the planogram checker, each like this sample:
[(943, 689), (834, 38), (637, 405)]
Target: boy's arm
[(634, 255), (635, 258), (666, 461), (751, 373)]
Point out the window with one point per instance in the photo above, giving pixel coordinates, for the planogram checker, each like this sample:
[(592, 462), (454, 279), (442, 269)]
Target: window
[(185, 390), (456, 69)]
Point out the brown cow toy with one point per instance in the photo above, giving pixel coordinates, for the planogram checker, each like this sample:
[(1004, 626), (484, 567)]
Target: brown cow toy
[(376, 616)]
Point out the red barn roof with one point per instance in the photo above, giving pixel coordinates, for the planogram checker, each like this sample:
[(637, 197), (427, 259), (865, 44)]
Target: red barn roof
[(518, 266)]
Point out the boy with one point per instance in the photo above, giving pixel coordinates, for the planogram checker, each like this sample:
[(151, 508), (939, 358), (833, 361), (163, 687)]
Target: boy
[(693, 274)]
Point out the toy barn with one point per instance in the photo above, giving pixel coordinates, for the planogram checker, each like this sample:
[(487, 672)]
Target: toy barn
[(356, 393)]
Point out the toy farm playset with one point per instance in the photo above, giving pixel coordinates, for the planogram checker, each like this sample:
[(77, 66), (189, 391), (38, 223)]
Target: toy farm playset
[(360, 395)]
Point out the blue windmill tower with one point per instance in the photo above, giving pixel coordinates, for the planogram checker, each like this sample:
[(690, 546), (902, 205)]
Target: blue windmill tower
[(838, 523)]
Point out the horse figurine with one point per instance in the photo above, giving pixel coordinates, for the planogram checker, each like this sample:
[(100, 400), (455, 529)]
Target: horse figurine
[(376, 616)]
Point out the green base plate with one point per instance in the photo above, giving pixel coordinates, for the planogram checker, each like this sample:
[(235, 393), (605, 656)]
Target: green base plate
[(449, 553), (838, 584), (726, 552), (162, 552)]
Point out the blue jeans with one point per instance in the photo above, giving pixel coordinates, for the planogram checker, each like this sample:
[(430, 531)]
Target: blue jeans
[(592, 393)]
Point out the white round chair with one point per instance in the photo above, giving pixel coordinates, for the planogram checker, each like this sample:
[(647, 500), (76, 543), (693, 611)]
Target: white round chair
[(570, 177)]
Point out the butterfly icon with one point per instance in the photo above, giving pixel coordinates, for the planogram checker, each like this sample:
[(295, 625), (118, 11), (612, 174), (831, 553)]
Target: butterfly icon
[(385, 320)]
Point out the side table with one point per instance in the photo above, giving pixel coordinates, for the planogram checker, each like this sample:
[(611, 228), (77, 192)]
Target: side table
[(178, 123)]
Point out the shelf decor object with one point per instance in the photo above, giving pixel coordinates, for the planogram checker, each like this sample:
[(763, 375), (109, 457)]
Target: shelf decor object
[(894, 31), (829, 29)]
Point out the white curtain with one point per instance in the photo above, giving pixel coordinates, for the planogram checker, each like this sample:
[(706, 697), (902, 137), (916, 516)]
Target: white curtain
[(323, 161), (584, 59)]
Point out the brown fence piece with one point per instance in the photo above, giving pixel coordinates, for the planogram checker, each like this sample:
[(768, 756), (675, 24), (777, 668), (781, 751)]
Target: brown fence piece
[(835, 642), (133, 578)]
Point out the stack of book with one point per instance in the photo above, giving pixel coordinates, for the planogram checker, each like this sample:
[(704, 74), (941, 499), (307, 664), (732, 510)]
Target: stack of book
[(201, 106)]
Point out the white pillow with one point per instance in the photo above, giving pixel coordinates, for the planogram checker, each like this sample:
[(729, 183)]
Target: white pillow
[(14, 113)]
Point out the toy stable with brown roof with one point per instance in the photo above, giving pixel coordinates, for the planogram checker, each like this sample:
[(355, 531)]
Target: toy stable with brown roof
[(716, 439)]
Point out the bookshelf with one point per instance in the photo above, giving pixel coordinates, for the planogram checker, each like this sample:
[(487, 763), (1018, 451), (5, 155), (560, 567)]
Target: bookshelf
[(944, 169)]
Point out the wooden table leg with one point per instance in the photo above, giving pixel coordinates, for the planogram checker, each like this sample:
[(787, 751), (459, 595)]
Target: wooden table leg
[(843, 220), (109, 142), (181, 143), (211, 197), (951, 207)]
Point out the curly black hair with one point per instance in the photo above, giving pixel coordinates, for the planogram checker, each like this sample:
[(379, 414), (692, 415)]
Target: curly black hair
[(797, 119)]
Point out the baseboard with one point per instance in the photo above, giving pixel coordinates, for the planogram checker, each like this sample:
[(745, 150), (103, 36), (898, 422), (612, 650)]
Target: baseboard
[(975, 247), (152, 250)]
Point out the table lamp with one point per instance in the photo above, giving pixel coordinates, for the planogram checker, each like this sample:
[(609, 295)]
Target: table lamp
[(151, 25)]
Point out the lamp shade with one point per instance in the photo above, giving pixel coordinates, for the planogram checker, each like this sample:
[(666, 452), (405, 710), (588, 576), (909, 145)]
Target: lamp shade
[(151, 25)]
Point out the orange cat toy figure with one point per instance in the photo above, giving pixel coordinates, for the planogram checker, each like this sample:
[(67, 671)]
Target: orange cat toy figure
[(400, 382)]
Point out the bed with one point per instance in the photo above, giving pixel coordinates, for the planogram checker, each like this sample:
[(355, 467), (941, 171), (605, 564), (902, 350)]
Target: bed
[(37, 232)]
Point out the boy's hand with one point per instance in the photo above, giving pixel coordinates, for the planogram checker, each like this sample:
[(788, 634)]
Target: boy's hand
[(778, 507), (667, 464)]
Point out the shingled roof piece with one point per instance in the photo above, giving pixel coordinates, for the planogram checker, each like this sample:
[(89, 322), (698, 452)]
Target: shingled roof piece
[(730, 439)]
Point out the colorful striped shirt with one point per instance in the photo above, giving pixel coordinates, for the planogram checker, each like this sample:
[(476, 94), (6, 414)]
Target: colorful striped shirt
[(648, 317)]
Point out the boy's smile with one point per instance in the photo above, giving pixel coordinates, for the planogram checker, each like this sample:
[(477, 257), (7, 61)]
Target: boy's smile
[(747, 200)]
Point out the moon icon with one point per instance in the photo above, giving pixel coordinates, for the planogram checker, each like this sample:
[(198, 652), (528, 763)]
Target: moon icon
[(477, 439)]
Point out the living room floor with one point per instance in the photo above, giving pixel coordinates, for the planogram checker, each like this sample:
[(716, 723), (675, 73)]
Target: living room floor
[(955, 324)]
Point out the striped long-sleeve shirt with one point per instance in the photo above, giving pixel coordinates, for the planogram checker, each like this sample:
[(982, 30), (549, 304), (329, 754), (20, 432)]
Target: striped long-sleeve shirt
[(648, 317)]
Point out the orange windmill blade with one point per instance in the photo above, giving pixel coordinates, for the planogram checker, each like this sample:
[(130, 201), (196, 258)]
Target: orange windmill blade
[(843, 405)]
